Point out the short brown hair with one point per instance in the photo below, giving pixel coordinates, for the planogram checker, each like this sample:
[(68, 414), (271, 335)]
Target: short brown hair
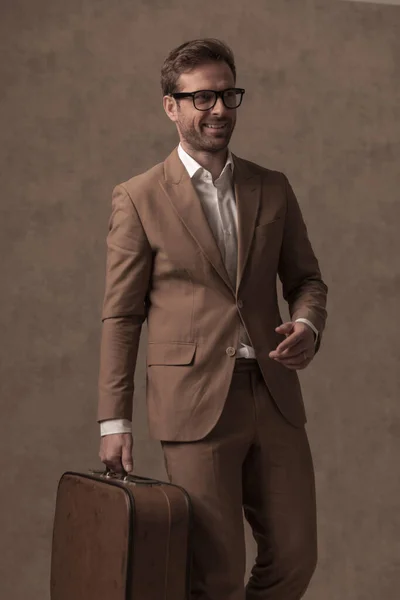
[(188, 56)]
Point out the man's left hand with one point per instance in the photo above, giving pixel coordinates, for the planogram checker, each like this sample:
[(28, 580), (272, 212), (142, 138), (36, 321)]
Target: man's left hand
[(298, 349)]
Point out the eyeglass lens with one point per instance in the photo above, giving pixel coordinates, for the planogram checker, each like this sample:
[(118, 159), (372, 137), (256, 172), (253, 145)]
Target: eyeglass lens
[(206, 99)]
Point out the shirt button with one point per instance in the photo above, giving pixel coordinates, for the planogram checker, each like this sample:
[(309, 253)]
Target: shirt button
[(231, 351), (240, 304)]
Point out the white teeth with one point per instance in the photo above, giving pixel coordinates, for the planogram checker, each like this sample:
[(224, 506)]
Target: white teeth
[(215, 126)]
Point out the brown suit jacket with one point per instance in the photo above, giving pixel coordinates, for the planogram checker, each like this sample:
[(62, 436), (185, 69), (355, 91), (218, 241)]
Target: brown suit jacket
[(164, 264)]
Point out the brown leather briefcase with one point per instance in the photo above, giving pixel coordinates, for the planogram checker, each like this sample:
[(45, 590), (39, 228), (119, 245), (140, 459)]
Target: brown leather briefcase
[(120, 537)]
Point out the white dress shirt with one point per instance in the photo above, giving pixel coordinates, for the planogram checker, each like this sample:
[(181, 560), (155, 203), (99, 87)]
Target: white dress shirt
[(219, 205)]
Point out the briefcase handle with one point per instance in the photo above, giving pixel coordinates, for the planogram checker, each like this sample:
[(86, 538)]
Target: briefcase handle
[(135, 479)]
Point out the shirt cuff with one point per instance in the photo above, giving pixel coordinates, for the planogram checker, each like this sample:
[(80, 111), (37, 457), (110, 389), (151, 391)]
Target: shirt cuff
[(115, 426), (307, 322)]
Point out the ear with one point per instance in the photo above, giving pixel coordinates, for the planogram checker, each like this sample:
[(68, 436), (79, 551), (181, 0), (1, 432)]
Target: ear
[(170, 108)]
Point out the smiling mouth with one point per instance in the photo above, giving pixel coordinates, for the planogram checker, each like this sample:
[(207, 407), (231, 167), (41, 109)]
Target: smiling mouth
[(216, 127)]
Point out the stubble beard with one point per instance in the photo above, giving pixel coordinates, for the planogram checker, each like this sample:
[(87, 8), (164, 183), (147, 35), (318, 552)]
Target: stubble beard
[(199, 140)]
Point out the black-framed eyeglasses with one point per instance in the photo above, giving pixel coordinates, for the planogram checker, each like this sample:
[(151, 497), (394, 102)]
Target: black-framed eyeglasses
[(206, 99)]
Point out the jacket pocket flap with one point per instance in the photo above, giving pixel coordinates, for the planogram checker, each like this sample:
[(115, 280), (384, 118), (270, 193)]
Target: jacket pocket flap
[(264, 228), (170, 353)]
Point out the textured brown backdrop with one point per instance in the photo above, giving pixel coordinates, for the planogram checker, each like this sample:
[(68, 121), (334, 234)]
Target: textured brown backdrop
[(82, 111)]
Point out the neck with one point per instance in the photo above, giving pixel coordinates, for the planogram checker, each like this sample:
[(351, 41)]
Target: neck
[(214, 162)]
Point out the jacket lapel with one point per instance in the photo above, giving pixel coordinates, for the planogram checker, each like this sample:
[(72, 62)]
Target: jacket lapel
[(186, 203), (247, 186)]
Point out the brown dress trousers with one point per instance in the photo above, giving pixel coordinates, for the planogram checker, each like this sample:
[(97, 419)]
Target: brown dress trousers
[(256, 462)]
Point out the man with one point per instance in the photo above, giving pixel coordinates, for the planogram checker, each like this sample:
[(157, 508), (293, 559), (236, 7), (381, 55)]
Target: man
[(195, 245)]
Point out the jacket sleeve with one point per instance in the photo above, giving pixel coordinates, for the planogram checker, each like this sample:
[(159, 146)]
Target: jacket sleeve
[(298, 270), (128, 274)]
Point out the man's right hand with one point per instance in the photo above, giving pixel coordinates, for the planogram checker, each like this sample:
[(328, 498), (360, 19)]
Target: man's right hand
[(116, 452)]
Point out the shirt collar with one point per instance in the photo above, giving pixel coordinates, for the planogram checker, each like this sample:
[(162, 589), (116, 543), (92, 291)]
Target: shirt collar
[(193, 166)]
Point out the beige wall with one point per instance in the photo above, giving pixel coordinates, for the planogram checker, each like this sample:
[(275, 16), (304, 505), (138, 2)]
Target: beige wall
[(81, 111), (375, 1)]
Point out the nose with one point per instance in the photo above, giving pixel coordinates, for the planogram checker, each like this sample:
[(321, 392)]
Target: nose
[(219, 107)]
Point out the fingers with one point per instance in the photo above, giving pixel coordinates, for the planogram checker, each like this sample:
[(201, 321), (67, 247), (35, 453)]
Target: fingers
[(302, 334), (296, 349), (116, 452), (296, 357), (291, 341), (114, 463), (295, 362), (285, 328), (127, 461)]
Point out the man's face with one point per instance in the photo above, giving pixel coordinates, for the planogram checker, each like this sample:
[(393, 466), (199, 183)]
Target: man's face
[(191, 122)]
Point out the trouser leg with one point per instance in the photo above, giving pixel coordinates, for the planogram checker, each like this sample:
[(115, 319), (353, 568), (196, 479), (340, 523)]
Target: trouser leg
[(279, 504), (210, 470)]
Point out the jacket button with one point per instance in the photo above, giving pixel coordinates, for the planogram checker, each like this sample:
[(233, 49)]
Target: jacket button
[(231, 351)]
